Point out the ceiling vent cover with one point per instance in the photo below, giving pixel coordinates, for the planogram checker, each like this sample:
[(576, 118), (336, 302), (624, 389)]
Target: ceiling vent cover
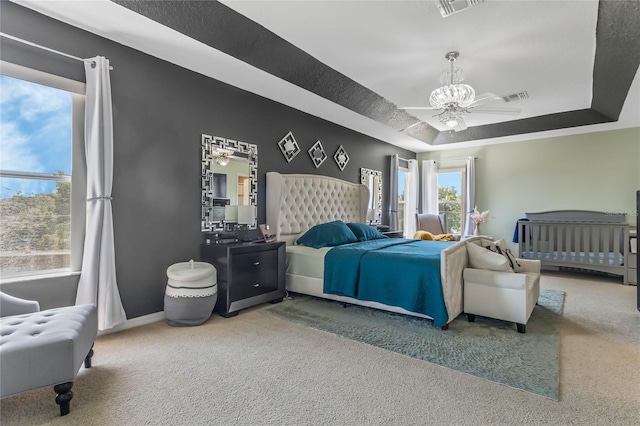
[(516, 96), (449, 7)]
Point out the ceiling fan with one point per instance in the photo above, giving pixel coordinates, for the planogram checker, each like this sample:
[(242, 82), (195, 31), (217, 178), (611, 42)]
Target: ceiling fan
[(455, 99)]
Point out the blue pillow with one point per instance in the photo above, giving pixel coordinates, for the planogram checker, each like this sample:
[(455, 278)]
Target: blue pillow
[(328, 235), (365, 232)]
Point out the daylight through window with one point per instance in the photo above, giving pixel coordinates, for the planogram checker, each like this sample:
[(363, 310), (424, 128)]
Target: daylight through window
[(35, 177), (451, 198)]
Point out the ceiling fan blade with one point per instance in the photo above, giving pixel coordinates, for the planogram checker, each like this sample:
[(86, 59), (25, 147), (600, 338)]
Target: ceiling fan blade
[(485, 98), (490, 110), (461, 126), (417, 108)]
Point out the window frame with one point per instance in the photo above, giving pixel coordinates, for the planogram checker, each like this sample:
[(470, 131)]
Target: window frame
[(78, 177), (463, 185), (404, 170)]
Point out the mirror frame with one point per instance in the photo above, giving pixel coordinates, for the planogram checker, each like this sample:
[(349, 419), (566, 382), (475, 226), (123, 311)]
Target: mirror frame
[(364, 179), (208, 145)]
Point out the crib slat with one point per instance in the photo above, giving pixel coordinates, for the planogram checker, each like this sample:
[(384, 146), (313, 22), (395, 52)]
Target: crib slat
[(596, 244), (606, 248), (586, 239), (615, 260)]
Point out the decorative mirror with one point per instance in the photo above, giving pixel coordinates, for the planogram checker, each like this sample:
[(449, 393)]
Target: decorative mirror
[(372, 179), (317, 154), (289, 147), (341, 158), (229, 178)]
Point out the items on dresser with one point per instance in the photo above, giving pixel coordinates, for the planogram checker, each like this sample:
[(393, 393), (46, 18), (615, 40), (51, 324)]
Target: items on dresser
[(248, 274)]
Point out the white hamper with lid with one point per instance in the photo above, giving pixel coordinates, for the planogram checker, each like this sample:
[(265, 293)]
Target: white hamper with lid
[(192, 292)]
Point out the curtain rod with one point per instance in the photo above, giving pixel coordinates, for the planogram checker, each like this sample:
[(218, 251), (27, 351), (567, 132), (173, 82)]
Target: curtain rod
[(456, 158), (47, 49)]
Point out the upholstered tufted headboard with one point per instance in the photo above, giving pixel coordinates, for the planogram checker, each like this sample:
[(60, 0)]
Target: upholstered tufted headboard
[(296, 202)]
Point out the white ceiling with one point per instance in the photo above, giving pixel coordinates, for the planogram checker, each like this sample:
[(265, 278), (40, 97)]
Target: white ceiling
[(396, 49)]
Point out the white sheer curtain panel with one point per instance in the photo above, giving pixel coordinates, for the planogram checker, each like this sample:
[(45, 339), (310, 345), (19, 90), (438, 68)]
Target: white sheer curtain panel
[(470, 201), (411, 200), (430, 186), (98, 284), (393, 192)]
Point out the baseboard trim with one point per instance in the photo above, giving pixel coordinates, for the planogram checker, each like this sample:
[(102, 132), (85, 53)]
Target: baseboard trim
[(135, 322)]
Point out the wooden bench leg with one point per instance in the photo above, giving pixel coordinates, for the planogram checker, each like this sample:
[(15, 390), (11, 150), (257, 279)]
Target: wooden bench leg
[(64, 396)]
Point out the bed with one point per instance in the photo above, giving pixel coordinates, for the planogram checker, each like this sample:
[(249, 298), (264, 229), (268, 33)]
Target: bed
[(297, 202), (588, 240)]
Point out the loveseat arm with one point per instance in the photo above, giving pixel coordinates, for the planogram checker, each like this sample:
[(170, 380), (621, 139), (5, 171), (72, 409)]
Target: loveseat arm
[(530, 265), (11, 305), (507, 280)]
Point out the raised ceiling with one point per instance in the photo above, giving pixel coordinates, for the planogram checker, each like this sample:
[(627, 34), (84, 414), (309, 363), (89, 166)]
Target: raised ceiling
[(355, 62)]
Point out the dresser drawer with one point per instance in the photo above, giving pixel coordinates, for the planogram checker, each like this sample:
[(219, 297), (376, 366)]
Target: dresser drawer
[(253, 274)]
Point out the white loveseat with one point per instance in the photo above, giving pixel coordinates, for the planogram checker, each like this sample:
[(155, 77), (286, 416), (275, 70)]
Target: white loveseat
[(501, 294)]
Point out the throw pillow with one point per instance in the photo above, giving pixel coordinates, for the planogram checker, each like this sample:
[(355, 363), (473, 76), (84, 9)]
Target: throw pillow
[(481, 258), (501, 247), (327, 235), (364, 232)]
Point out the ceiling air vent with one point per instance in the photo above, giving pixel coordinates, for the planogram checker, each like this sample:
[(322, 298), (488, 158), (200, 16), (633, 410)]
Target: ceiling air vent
[(449, 7), (516, 96)]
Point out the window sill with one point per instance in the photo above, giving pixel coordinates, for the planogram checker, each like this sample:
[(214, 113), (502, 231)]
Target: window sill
[(38, 277)]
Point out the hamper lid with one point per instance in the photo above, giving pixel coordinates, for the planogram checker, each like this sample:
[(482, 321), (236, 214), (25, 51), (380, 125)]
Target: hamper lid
[(190, 271)]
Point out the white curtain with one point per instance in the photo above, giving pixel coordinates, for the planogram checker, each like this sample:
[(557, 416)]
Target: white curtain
[(470, 200), (430, 186), (393, 192), (411, 199), (98, 284)]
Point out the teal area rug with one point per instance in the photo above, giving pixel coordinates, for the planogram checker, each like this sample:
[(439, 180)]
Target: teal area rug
[(488, 348)]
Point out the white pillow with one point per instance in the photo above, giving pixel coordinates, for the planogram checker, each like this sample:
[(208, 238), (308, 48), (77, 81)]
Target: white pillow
[(502, 247), (481, 258)]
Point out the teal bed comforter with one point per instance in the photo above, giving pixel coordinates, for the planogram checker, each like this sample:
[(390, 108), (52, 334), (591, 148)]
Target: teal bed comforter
[(395, 271)]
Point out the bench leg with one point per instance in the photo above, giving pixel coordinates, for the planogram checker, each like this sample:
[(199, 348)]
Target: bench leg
[(87, 360), (522, 328), (64, 396)]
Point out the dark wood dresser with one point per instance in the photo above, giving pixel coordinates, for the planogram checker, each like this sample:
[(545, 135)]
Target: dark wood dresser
[(248, 274)]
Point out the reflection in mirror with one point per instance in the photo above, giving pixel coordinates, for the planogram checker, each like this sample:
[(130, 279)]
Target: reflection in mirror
[(372, 179), (229, 178)]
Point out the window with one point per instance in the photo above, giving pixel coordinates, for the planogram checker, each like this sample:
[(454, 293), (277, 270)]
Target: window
[(451, 198), (402, 191), (42, 220)]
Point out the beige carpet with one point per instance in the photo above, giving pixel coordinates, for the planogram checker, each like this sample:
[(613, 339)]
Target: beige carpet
[(257, 370)]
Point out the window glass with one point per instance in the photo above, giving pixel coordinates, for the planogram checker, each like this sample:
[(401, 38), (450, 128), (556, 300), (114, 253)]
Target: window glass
[(35, 177), (401, 196), (450, 199)]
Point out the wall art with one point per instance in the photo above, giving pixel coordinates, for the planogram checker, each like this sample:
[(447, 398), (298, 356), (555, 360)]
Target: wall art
[(289, 147), (317, 154)]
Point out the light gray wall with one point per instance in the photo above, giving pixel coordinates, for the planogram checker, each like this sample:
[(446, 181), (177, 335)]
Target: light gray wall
[(593, 171), (160, 111)]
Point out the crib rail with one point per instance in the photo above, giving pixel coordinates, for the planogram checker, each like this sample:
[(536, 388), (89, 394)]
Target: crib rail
[(587, 245)]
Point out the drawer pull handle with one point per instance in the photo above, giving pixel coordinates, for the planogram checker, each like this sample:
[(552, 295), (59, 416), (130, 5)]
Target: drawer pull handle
[(256, 263), (256, 285)]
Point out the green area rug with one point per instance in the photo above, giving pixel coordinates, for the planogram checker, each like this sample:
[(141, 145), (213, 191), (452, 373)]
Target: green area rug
[(490, 349)]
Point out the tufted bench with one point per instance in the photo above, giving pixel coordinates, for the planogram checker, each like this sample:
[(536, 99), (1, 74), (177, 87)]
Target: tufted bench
[(46, 348)]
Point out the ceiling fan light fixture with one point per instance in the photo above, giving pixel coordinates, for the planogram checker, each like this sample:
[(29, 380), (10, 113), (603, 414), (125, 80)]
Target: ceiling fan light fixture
[(223, 156), (460, 94), (451, 116)]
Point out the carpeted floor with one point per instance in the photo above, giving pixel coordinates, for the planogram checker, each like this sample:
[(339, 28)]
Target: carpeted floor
[(257, 370), (490, 349)]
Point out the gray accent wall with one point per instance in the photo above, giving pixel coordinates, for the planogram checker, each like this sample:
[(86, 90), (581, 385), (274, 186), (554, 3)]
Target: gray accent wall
[(160, 111)]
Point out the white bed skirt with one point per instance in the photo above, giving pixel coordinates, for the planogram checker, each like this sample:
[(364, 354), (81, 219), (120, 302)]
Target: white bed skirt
[(314, 286)]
